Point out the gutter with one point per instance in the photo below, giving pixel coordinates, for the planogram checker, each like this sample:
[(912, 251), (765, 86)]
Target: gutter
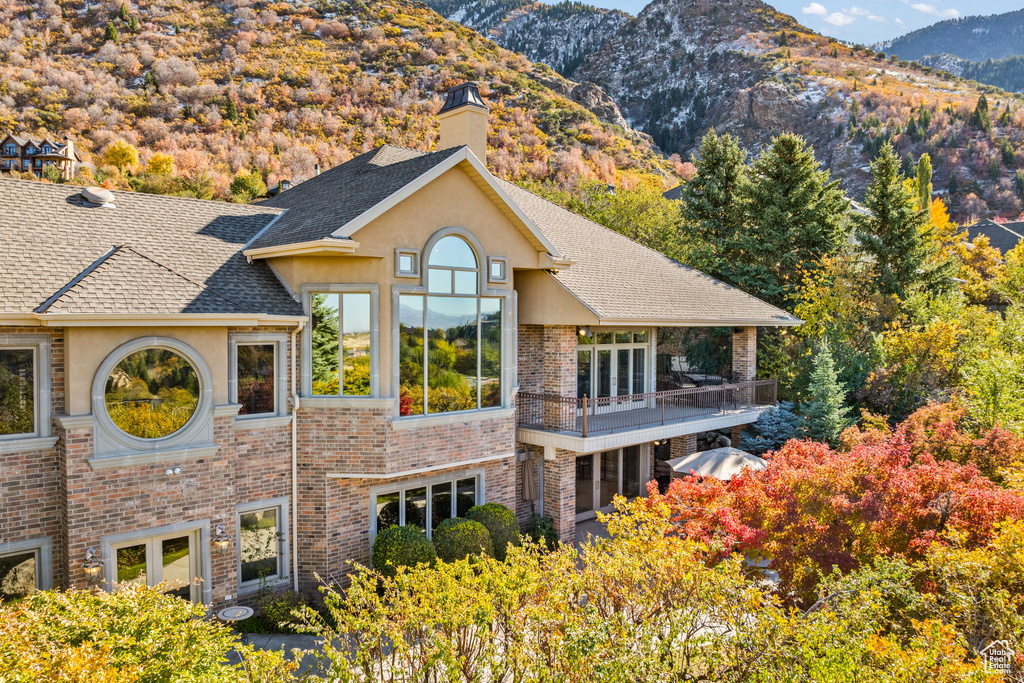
[(295, 462)]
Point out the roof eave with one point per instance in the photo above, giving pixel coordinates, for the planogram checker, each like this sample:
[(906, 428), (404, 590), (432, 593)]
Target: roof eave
[(701, 322), (150, 319), (328, 245)]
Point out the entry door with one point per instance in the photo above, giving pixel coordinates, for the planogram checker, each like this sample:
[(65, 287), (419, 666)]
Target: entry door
[(171, 558), (602, 476)]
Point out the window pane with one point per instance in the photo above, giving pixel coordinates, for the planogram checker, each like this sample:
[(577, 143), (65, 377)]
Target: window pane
[(465, 282), (388, 510), (452, 251), (152, 393), (405, 263), (640, 337), (176, 565), (17, 575), (623, 372), (465, 496), (451, 373), (583, 362), (497, 270), (131, 564), (639, 371), (440, 503), (416, 507), (584, 339), (604, 337), (410, 354), (355, 327), (631, 471), (604, 373), (490, 352), (324, 332), (17, 391), (623, 337), (258, 543), (255, 378), (609, 477), (439, 281)]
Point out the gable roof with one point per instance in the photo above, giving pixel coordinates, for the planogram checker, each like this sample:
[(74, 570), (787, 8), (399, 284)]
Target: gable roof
[(150, 255), (338, 202), (622, 281), (1002, 236)]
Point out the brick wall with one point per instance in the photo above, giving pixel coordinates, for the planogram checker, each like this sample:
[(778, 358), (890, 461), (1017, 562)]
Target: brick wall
[(744, 354), (560, 493)]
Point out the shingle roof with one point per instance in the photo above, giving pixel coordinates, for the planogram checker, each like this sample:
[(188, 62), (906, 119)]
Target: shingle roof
[(183, 255), (620, 279), (1002, 236), (330, 200)]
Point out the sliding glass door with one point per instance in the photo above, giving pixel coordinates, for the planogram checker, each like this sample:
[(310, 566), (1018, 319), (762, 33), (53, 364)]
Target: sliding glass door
[(602, 476)]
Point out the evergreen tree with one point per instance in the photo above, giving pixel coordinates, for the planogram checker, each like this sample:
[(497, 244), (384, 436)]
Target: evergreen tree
[(133, 24), (895, 232), (924, 182), (795, 217), (110, 33), (980, 117), (712, 209), (776, 425), (324, 333), (230, 110), (825, 411), (122, 13)]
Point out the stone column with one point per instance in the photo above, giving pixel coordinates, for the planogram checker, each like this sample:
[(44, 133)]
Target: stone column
[(560, 491), (682, 446), (744, 360), (559, 374)]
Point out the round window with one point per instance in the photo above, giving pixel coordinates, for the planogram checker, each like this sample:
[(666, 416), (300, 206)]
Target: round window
[(152, 393)]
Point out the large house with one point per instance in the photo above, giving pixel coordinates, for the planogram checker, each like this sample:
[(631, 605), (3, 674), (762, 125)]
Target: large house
[(248, 394), (20, 154)]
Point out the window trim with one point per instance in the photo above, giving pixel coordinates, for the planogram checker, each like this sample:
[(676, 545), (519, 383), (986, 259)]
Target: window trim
[(279, 340), (308, 290), (40, 346), (477, 473), (491, 261), (42, 546), (282, 504), (413, 254)]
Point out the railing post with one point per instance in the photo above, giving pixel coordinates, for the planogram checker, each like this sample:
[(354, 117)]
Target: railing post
[(584, 415)]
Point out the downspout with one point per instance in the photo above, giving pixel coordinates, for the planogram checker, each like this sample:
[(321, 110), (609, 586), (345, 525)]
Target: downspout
[(295, 462)]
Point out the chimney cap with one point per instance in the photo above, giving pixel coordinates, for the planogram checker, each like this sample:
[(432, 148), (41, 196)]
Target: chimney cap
[(466, 94)]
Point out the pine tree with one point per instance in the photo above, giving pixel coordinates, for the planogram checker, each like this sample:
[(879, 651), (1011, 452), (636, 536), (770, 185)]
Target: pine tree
[(133, 24), (795, 217), (110, 33), (924, 182), (825, 411), (980, 117), (711, 203), (230, 110), (895, 232), (122, 13)]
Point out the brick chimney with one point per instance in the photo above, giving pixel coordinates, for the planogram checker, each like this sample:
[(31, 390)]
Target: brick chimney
[(463, 120)]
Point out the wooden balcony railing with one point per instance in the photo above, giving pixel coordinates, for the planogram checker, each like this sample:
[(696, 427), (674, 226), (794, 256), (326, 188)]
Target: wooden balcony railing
[(583, 416)]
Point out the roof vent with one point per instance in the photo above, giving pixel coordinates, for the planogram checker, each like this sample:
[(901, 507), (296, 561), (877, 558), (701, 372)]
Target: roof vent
[(98, 196)]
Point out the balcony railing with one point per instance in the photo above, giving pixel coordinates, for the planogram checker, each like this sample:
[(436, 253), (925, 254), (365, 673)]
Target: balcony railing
[(589, 416)]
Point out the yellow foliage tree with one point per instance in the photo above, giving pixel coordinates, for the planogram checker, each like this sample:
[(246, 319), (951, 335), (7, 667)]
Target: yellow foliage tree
[(161, 164), (122, 155)]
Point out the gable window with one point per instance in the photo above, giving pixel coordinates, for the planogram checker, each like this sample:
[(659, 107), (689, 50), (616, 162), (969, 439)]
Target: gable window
[(341, 343), (450, 339), (407, 263), (30, 150), (425, 505), (46, 149), (262, 546), (10, 149)]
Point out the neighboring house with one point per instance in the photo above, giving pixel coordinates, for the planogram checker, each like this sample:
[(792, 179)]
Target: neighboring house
[(244, 393), (27, 154), (1002, 236)]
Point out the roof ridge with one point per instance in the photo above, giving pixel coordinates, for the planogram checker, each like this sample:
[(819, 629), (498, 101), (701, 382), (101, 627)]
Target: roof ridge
[(201, 285)]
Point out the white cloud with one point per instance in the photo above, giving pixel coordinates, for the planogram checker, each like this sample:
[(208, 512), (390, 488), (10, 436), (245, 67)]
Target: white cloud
[(899, 21), (857, 11), (839, 19), (933, 10), (880, 20), (815, 9)]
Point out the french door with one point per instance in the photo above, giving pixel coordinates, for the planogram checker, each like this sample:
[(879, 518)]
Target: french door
[(172, 558), (602, 476), (613, 364)]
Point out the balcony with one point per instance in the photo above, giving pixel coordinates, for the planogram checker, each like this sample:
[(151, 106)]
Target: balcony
[(589, 417)]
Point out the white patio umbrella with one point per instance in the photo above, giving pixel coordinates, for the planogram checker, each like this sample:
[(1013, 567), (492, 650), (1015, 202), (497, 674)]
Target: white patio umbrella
[(720, 463)]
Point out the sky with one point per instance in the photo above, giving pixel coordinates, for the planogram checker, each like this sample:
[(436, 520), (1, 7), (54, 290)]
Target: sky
[(864, 21)]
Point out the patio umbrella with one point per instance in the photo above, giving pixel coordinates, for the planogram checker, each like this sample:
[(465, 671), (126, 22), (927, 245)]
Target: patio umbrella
[(529, 479), (720, 463)]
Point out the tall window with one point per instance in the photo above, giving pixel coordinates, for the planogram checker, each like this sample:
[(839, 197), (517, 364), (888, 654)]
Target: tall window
[(261, 543), (256, 367), (17, 392), (612, 363), (450, 338), (425, 505), (341, 344)]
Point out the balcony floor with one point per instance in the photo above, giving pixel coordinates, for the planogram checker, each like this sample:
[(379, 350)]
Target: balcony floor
[(642, 418)]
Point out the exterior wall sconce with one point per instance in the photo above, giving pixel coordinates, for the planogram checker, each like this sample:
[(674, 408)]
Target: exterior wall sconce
[(583, 331), (92, 566), (221, 539)]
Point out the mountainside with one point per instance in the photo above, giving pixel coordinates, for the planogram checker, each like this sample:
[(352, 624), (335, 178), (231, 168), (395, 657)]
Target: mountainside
[(977, 38), (1007, 73), (280, 87)]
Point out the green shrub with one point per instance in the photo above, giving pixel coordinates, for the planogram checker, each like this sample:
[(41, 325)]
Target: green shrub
[(542, 531), (457, 538), (277, 609), (401, 546), (501, 523)]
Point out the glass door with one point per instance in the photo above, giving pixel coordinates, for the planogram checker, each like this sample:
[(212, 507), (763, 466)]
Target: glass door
[(171, 559), (613, 364), (585, 481)]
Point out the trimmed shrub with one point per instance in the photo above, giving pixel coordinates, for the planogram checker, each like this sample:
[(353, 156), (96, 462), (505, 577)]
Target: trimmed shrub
[(401, 546), (501, 523), (542, 530), (457, 538)]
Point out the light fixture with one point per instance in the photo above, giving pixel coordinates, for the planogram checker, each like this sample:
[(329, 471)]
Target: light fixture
[(583, 331), (92, 566), (221, 539)]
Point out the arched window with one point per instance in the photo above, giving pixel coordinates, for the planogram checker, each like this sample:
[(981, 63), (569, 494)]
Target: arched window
[(450, 340)]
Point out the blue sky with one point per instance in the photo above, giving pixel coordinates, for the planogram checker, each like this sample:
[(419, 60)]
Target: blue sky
[(864, 21)]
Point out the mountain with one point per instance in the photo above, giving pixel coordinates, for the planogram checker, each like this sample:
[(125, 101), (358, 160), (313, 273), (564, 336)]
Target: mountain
[(976, 38), (1007, 73), (281, 87)]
